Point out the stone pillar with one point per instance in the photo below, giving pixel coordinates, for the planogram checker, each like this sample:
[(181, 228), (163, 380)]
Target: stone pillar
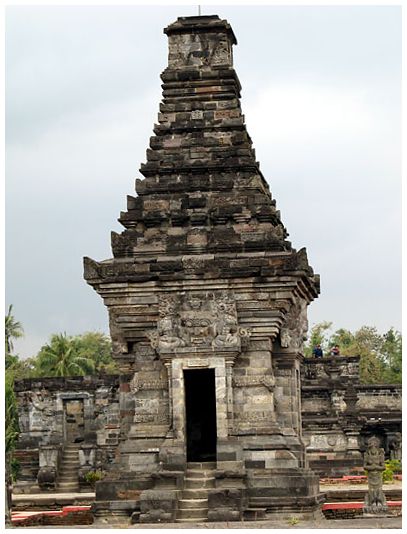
[(229, 394), (178, 402), (168, 367), (288, 389)]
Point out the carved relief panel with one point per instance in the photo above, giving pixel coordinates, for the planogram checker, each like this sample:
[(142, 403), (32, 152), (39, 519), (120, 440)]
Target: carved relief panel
[(293, 332), (198, 50), (206, 319)]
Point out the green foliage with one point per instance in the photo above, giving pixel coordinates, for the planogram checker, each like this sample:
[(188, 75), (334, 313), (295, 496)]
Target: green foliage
[(394, 465), (13, 330), (293, 521), (392, 354), (22, 368), (97, 347), (380, 355), (15, 469), (387, 475), (60, 357), (91, 477), (11, 415), (318, 336), (86, 354)]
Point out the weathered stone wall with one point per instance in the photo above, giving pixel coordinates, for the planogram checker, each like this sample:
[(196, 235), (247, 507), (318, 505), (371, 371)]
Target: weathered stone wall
[(44, 422), (339, 415)]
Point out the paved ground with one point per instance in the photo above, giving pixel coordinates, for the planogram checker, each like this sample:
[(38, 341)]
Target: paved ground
[(363, 523), (380, 523)]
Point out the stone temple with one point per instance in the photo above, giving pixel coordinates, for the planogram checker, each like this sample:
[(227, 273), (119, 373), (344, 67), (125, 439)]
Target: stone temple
[(207, 306), (216, 414)]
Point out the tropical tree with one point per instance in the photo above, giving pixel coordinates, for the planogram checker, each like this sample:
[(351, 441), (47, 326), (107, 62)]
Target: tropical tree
[(392, 353), (97, 347), (60, 357), (380, 355), (318, 336), (13, 330)]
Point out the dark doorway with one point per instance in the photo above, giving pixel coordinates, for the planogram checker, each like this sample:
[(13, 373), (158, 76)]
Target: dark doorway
[(200, 405)]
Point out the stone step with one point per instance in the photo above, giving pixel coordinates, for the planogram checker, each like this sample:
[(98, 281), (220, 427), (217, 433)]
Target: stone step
[(195, 493), (192, 513), (67, 469), (71, 468), (192, 520), (201, 465), (197, 473), (68, 486), (183, 504), (67, 477), (69, 463), (199, 483), (71, 454)]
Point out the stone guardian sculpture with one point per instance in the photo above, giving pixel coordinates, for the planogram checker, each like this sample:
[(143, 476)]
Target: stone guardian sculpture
[(375, 500)]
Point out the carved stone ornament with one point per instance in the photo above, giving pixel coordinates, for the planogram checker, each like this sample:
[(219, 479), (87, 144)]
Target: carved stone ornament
[(198, 50), (293, 332), (206, 319), (267, 381), (375, 501), (395, 446), (337, 400), (153, 418), (138, 384)]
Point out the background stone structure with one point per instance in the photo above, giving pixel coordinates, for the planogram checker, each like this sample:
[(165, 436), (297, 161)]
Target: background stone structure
[(339, 415), (377, 411), (53, 412)]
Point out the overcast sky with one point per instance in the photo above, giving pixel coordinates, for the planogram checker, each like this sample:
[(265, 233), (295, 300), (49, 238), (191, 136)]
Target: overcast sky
[(321, 96)]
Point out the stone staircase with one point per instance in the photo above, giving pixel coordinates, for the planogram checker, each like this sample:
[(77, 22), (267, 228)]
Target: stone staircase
[(193, 504), (68, 470)]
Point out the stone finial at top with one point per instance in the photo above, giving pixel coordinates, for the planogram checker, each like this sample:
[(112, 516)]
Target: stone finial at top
[(196, 42)]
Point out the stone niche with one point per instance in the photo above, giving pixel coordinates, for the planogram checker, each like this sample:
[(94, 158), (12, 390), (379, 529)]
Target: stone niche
[(207, 308)]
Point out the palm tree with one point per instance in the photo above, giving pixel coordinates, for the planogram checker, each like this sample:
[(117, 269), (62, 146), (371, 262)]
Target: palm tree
[(60, 358), (13, 330)]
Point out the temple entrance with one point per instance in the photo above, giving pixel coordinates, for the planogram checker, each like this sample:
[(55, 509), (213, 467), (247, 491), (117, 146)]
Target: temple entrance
[(74, 420), (200, 406)]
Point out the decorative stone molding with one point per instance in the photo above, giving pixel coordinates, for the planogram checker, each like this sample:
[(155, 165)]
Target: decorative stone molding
[(267, 381), (293, 332), (156, 418), (138, 384)]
